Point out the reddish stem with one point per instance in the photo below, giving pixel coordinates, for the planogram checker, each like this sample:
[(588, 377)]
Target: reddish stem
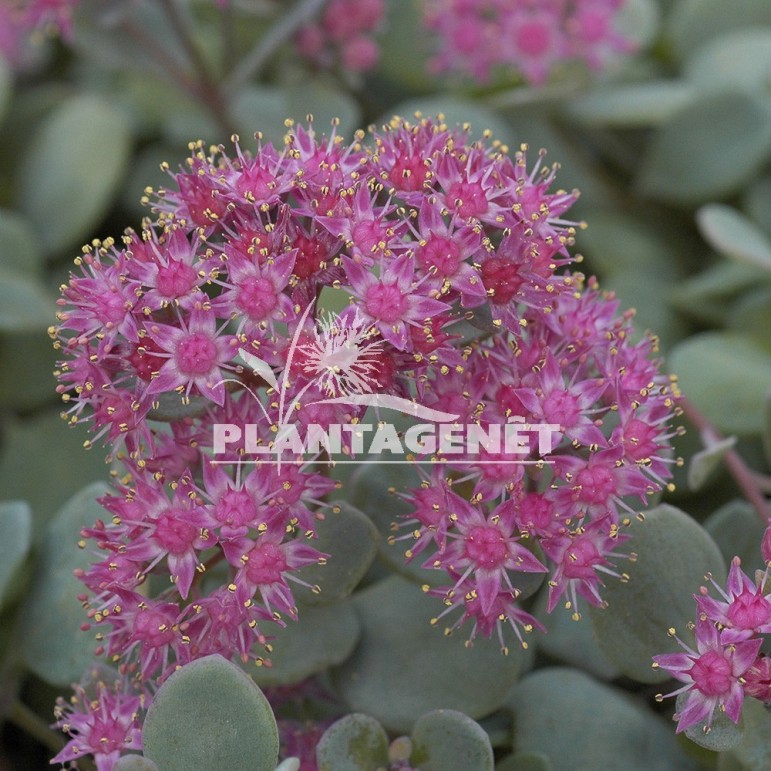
[(744, 477)]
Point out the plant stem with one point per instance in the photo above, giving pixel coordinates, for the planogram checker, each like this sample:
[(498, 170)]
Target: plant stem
[(270, 42), (743, 476), (207, 90), (34, 725)]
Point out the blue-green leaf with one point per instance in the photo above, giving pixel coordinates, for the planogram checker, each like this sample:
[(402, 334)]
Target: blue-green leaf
[(210, 714), (334, 632), (53, 644), (15, 540), (447, 740), (723, 734), (674, 553), (737, 530), (694, 22), (356, 742), (734, 235), (565, 715), (695, 157), (405, 667), (704, 462), (738, 60), (726, 376), (632, 104), (135, 763), (71, 170)]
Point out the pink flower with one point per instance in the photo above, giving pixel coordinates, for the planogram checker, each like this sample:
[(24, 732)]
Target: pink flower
[(711, 673), (744, 611), (105, 725), (194, 356), (529, 38)]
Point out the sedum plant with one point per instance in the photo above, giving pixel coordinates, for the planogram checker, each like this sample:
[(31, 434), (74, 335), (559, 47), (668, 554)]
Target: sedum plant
[(395, 481)]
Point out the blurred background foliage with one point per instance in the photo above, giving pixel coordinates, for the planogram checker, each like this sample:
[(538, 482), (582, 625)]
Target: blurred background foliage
[(670, 148)]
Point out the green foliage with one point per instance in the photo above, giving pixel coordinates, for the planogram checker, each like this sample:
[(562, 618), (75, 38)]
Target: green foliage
[(673, 555), (135, 763), (59, 190), (404, 666), (670, 149), (334, 630), (15, 538), (446, 740), (694, 158), (52, 643), (351, 541), (356, 742), (579, 723), (726, 376), (209, 714)]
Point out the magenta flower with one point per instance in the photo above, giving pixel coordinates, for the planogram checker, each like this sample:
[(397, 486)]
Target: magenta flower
[(712, 674), (580, 557), (195, 355), (391, 301), (105, 726), (529, 38), (745, 609), (482, 550)]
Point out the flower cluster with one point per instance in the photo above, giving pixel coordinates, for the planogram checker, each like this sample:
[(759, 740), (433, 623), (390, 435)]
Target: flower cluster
[(450, 255), (19, 19), (528, 36), (343, 36), (727, 664), (103, 721)]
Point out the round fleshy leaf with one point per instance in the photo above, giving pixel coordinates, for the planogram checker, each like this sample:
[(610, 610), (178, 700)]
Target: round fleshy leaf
[(72, 169), (674, 553), (26, 381), (15, 540), (19, 247), (704, 462), (446, 740), (53, 644), (404, 667), (334, 631), (25, 306), (404, 49), (723, 733), (572, 642), (45, 445), (754, 750), (351, 541), (707, 296), (564, 714), (694, 156), (734, 235), (726, 376), (694, 22), (751, 316), (210, 714), (737, 530), (135, 763), (632, 104), (756, 202), (525, 761), (356, 742), (638, 21), (740, 60)]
